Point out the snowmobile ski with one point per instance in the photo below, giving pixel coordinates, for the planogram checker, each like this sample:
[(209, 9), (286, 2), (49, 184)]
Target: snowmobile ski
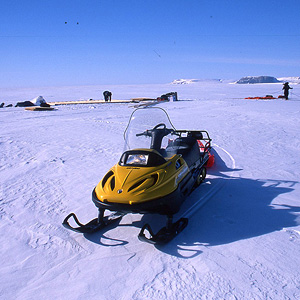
[(165, 234), (94, 225)]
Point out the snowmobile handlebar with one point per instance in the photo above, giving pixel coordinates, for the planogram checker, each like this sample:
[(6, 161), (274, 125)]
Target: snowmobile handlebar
[(164, 130), (146, 133), (157, 133)]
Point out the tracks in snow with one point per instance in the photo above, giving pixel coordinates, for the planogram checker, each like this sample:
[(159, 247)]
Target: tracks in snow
[(211, 191)]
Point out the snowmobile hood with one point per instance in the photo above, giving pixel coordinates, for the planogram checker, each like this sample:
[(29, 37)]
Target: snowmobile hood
[(133, 184)]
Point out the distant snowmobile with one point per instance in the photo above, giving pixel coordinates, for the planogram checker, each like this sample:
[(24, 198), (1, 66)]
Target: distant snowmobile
[(154, 178)]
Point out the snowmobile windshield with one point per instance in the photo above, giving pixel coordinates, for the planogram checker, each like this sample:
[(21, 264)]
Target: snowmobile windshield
[(148, 128)]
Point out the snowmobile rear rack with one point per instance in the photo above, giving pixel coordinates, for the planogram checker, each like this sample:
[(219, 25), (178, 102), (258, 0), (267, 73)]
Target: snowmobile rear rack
[(198, 134), (201, 136)]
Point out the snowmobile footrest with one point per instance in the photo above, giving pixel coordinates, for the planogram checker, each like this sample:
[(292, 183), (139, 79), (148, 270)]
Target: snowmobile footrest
[(92, 226), (164, 235)]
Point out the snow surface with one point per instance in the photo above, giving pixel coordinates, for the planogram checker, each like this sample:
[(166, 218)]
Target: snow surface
[(244, 243)]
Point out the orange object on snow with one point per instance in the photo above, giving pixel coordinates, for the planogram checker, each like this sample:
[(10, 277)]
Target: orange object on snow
[(263, 98), (211, 157)]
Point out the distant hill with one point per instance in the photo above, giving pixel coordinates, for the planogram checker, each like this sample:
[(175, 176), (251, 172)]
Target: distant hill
[(257, 79), (243, 80), (189, 81)]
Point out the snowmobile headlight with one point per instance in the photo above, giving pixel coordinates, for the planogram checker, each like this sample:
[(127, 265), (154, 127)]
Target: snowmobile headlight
[(137, 159)]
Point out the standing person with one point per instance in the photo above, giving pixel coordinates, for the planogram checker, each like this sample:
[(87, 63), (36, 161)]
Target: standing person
[(107, 95), (286, 89)]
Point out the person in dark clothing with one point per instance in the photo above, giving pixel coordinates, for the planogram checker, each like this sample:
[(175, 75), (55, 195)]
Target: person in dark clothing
[(107, 95), (286, 89)]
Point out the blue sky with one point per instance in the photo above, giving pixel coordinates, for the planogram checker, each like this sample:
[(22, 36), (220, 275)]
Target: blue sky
[(145, 41)]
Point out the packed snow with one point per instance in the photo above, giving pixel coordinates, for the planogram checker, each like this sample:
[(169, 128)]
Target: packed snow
[(242, 240)]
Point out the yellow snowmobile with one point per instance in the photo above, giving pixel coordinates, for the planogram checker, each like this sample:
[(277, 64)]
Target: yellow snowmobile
[(151, 179)]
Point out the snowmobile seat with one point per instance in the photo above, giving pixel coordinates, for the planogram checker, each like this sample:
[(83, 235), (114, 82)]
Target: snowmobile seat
[(187, 147)]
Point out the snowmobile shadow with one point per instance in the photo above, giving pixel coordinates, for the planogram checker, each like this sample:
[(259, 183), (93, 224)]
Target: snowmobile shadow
[(99, 237), (245, 208)]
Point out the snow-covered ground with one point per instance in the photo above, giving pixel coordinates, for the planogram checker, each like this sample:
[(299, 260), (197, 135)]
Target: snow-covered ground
[(244, 243)]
